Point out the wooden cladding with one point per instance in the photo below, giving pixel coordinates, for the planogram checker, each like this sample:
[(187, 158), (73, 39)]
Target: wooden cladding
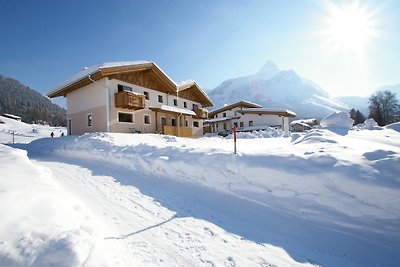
[(129, 100), (201, 113), (177, 131)]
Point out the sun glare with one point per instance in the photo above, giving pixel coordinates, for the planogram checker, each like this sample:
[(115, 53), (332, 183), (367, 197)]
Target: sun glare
[(350, 27)]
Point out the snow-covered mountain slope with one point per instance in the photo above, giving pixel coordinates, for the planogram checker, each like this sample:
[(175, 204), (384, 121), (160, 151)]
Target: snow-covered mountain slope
[(330, 197), (357, 102), (20, 132), (271, 87)]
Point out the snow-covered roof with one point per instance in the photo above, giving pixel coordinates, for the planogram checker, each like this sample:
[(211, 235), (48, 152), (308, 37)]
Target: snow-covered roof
[(243, 103), (174, 110), (277, 111), (293, 123), (221, 119), (88, 71), (184, 85), (96, 72), (308, 122), (11, 116)]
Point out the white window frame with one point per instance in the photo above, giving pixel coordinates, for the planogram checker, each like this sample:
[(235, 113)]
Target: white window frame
[(144, 119)]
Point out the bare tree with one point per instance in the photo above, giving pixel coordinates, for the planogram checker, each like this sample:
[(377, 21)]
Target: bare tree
[(383, 107)]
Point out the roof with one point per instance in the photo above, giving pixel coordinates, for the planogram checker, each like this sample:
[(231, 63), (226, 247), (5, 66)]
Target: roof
[(170, 109), (245, 104), (192, 86), (221, 119), (272, 111), (113, 69), (309, 122)]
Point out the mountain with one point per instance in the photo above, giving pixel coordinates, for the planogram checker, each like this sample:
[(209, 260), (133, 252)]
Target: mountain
[(31, 106), (356, 102), (271, 87)]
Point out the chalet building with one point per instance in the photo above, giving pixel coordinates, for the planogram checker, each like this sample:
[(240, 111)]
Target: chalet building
[(11, 116), (303, 125), (247, 116), (134, 96)]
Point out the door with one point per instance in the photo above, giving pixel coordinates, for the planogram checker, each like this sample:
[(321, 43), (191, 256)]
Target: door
[(69, 126)]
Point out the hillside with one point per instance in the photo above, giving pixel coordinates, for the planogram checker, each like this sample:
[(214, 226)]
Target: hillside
[(31, 106), (274, 88), (329, 197)]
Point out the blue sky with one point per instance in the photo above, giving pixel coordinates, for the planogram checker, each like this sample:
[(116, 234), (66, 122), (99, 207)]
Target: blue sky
[(46, 42)]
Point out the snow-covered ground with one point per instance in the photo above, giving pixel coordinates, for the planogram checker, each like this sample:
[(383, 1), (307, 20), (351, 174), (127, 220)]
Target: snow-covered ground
[(329, 197)]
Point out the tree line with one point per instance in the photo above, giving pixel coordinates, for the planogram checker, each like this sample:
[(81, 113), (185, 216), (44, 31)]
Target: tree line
[(383, 108), (31, 106)]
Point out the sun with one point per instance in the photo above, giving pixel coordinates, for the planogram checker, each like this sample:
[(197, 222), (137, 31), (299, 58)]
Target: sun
[(350, 27)]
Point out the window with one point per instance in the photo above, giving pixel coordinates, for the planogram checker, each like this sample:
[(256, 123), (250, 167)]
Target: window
[(125, 117), (146, 119), (186, 123), (146, 95), (175, 102), (225, 127), (185, 104), (196, 124), (89, 120), (235, 124), (250, 123), (160, 99), (241, 124), (173, 122), (216, 116), (224, 114), (122, 88), (195, 106)]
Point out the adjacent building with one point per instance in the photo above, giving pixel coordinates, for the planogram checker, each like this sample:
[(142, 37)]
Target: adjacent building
[(134, 96), (247, 116)]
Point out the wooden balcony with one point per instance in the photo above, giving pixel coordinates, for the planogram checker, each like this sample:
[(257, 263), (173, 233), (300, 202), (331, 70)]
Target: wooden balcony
[(129, 100), (201, 113), (181, 132)]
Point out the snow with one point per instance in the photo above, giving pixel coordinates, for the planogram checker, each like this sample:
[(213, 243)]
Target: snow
[(268, 110), (394, 126), (338, 119), (104, 199), (24, 133), (175, 110)]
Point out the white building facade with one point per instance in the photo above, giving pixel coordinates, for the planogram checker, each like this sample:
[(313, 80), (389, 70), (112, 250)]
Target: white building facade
[(129, 97), (247, 116)]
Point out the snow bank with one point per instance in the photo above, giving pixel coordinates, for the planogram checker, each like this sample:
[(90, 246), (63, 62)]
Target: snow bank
[(368, 124), (394, 126), (337, 120), (269, 133), (41, 225)]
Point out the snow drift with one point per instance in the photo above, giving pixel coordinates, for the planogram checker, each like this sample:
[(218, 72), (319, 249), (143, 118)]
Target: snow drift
[(315, 199)]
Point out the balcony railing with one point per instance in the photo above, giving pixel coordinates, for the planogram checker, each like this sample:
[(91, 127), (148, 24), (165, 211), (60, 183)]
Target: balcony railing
[(129, 100), (201, 113)]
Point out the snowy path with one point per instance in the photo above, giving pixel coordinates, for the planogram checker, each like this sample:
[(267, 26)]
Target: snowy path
[(134, 229)]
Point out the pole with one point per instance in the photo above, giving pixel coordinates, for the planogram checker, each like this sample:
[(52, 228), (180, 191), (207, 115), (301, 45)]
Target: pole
[(13, 136), (234, 140)]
